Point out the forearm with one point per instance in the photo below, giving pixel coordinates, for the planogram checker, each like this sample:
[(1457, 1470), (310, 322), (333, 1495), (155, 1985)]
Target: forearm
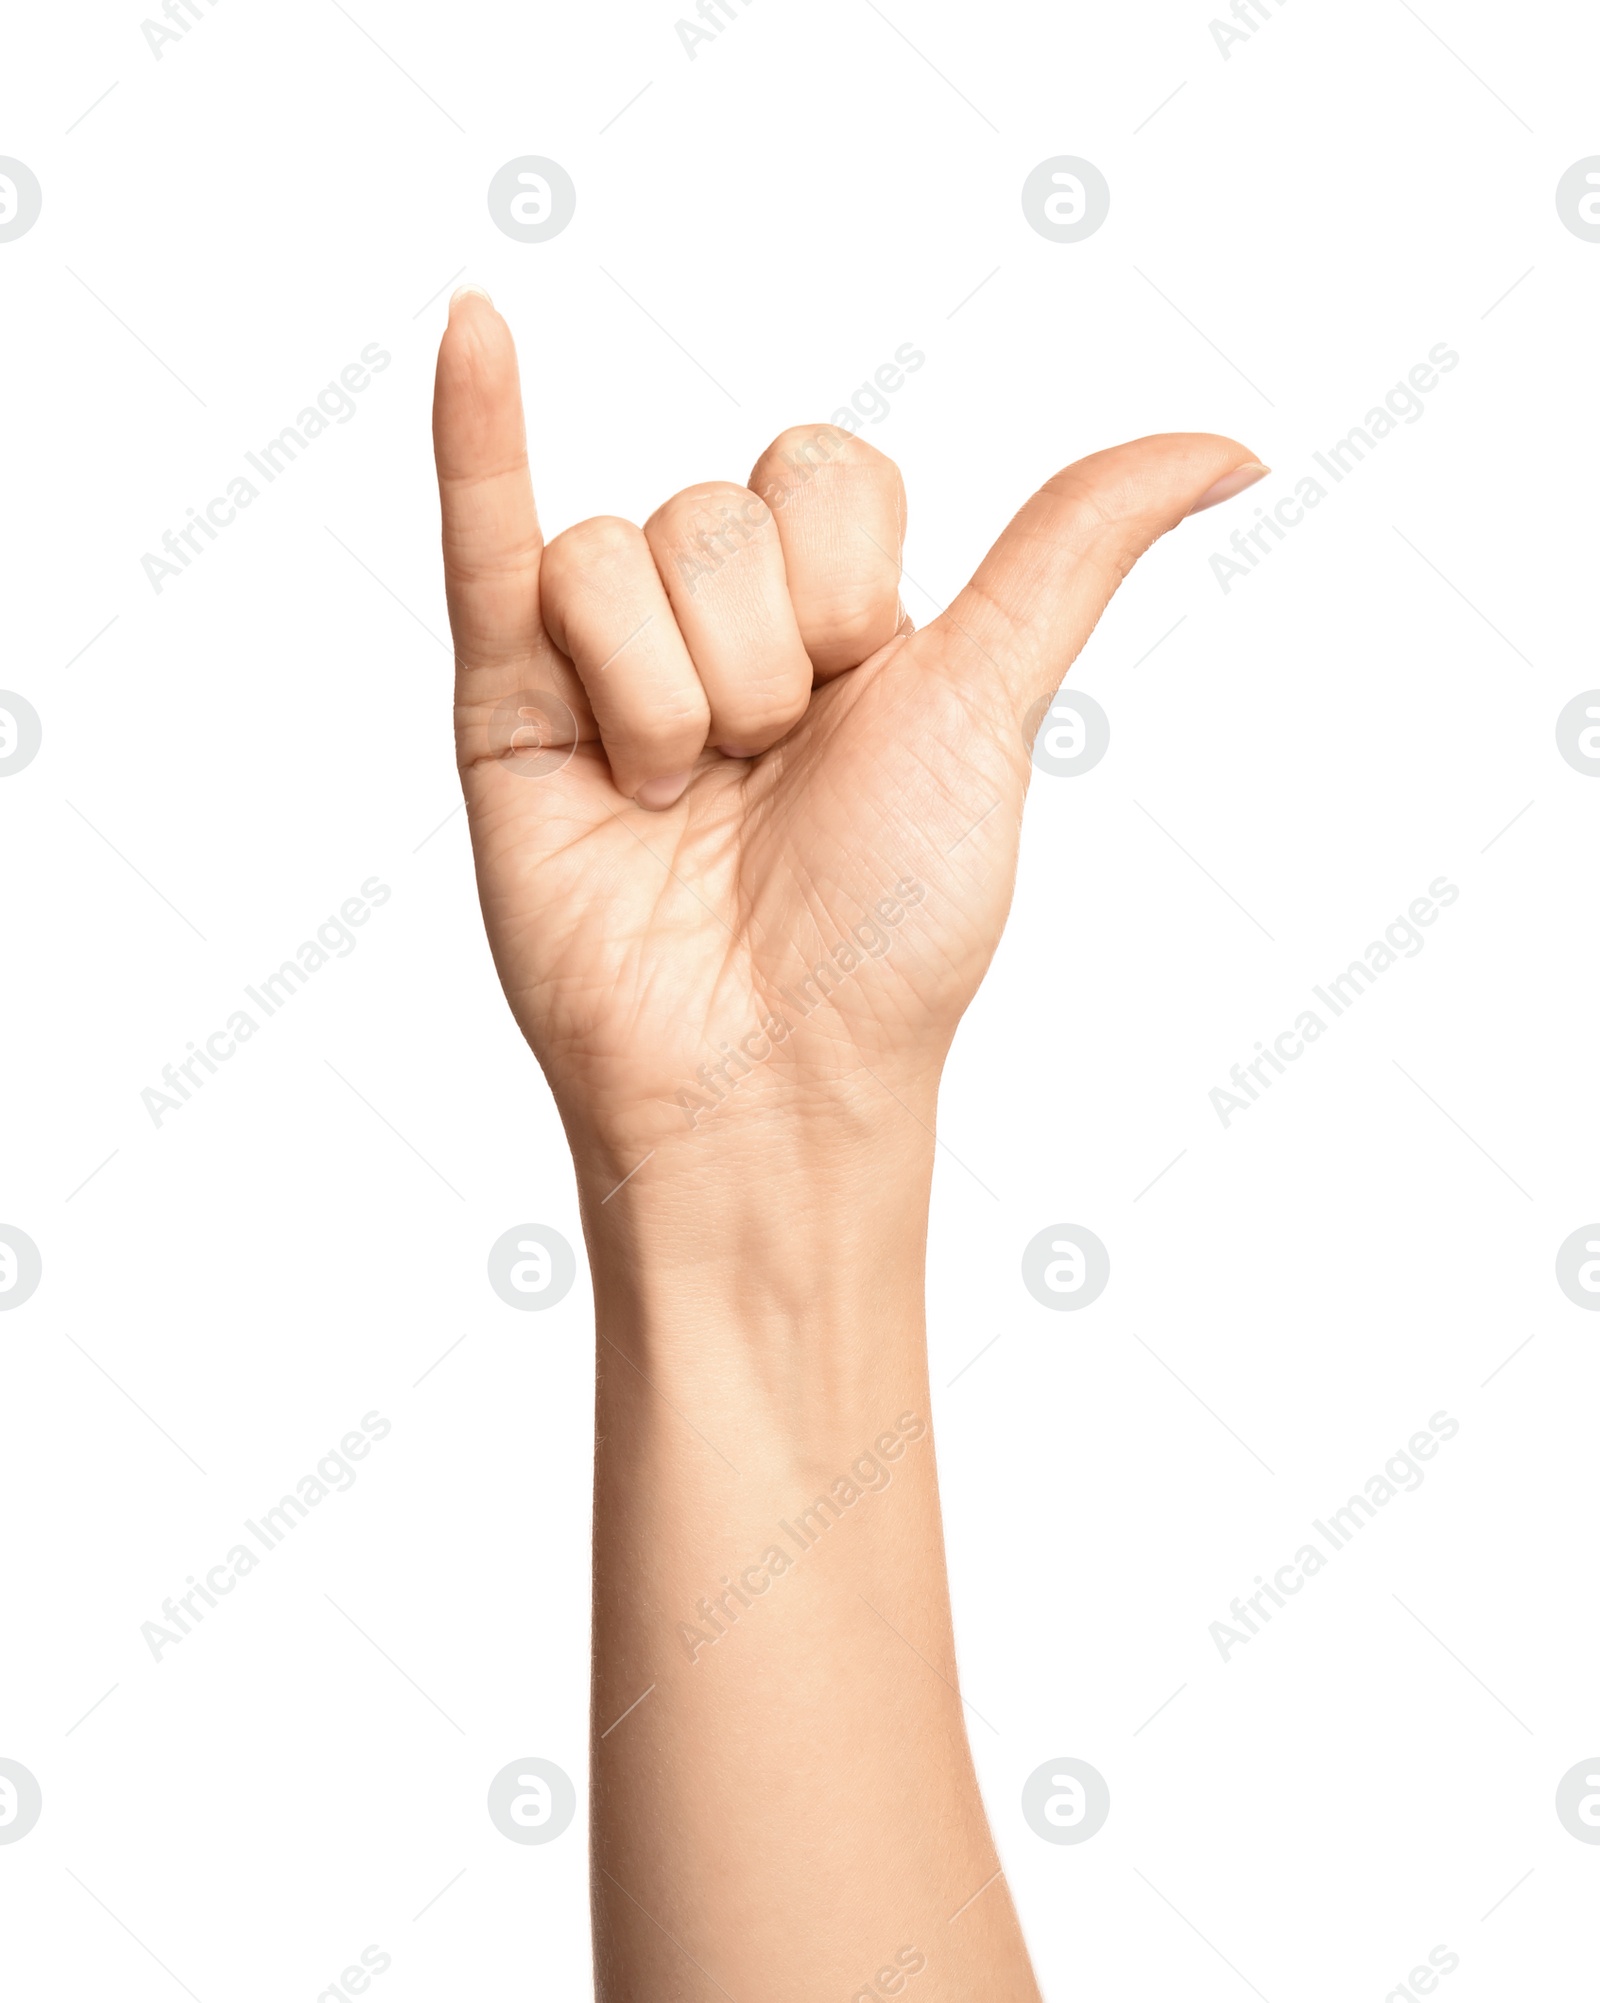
[(792, 1808)]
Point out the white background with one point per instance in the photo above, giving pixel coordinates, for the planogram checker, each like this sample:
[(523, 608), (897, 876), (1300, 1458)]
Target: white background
[(1293, 763)]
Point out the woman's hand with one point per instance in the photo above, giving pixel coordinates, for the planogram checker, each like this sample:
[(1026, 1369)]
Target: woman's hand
[(754, 853)]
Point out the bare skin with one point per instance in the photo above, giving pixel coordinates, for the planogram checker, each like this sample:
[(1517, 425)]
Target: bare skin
[(741, 975)]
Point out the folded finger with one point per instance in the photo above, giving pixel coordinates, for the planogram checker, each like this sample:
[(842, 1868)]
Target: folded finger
[(840, 508), (605, 607), (720, 558)]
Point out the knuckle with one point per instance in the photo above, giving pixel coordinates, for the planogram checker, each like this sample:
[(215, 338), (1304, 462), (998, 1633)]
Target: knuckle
[(1089, 504), (603, 540), (715, 513), (1106, 499), (820, 444), (797, 456), (1103, 520), (701, 531)]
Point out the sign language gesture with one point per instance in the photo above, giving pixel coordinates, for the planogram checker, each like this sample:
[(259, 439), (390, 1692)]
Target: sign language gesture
[(745, 844), (711, 768)]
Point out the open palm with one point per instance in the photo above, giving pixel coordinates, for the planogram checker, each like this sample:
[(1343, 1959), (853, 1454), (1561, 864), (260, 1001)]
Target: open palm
[(745, 842)]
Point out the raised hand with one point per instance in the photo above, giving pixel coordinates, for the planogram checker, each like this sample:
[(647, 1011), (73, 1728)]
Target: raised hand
[(745, 845), (742, 836)]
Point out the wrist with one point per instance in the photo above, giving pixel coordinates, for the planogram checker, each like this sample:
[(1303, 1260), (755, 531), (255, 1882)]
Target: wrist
[(766, 1195), (778, 1273)]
